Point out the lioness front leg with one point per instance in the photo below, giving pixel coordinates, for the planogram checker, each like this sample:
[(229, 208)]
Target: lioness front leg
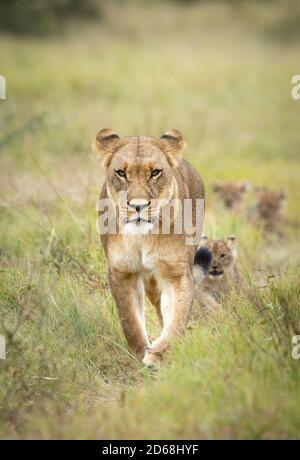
[(176, 302), (128, 292), (154, 295)]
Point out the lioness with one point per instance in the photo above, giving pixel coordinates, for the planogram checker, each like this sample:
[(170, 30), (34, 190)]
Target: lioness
[(230, 193), (215, 271), (151, 172)]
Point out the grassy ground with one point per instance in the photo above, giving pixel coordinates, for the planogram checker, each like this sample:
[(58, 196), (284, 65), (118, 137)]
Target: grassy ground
[(221, 74)]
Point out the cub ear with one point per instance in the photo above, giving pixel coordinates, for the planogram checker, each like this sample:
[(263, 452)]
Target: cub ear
[(282, 195), (203, 241), (232, 241), (260, 190), (172, 144), (245, 186), (216, 187), (107, 142)]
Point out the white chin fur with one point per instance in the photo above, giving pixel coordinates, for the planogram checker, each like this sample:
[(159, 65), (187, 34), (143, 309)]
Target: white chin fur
[(215, 277), (143, 228), (198, 273)]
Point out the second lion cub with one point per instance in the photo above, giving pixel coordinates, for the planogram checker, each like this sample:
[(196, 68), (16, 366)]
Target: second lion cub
[(215, 271)]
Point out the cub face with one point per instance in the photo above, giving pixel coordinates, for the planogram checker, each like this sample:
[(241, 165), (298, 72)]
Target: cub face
[(215, 257), (269, 204), (230, 193), (142, 168)]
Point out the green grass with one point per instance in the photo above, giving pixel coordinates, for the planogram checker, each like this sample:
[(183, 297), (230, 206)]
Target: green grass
[(221, 74)]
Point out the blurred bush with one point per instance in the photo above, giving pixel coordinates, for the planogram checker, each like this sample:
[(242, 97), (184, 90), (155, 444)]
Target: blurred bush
[(43, 16)]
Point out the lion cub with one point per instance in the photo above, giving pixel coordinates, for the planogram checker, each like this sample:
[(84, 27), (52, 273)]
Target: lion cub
[(230, 193), (268, 208), (215, 271)]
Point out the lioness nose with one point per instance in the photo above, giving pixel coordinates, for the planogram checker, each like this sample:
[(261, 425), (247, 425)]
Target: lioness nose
[(138, 205)]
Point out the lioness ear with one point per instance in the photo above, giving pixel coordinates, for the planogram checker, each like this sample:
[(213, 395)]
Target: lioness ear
[(172, 144), (107, 142)]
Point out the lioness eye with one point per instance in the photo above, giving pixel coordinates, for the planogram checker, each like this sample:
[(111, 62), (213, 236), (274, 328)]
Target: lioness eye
[(120, 173), (222, 254), (155, 172)]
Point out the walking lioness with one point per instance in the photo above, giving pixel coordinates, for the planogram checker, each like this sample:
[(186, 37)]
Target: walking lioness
[(141, 256)]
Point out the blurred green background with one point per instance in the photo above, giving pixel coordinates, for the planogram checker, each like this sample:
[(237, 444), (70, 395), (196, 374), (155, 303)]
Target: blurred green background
[(218, 71)]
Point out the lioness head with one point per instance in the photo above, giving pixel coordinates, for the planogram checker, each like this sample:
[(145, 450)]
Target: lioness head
[(231, 193), (215, 257), (143, 169)]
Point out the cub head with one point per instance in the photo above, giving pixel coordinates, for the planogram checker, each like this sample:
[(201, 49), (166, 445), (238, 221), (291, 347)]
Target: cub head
[(230, 193), (268, 203), (140, 175), (215, 257)]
